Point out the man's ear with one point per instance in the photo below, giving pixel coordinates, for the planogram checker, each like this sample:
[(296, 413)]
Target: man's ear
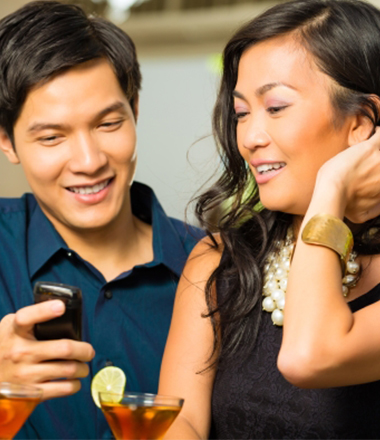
[(135, 109), (7, 147), (362, 127)]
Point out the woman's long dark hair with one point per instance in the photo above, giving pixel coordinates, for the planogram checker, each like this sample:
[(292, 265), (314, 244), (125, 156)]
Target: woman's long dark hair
[(344, 38)]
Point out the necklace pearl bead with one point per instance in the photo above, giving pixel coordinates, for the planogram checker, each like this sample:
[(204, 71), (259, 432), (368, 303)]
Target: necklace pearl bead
[(277, 317), (271, 285), (345, 290), (283, 284), (268, 304), (353, 267), (349, 279), (277, 295)]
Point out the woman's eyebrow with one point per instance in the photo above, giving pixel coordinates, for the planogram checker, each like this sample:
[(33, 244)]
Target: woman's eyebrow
[(266, 87), (237, 94)]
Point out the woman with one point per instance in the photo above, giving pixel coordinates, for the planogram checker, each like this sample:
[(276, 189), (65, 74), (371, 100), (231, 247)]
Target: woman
[(295, 121)]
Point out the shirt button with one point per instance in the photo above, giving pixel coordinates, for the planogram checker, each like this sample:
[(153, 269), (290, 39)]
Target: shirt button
[(109, 363), (69, 254), (108, 294)]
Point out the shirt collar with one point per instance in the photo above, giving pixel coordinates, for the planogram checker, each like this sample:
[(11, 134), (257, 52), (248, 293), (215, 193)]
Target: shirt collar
[(168, 247), (44, 241)]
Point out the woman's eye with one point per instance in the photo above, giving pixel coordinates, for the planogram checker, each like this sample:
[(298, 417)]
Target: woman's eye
[(240, 115), (276, 109)]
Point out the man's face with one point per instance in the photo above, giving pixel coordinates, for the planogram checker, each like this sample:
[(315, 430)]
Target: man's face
[(76, 141)]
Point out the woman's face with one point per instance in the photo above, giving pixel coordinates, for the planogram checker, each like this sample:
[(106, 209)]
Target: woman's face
[(285, 122)]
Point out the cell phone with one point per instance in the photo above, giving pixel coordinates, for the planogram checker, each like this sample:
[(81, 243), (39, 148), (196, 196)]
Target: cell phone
[(67, 326)]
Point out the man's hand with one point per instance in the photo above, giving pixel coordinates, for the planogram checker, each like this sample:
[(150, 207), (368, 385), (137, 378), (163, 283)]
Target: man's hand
[(25, 360)]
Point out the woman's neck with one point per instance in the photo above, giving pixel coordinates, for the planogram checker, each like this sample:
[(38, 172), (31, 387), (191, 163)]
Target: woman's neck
[(297, 222)]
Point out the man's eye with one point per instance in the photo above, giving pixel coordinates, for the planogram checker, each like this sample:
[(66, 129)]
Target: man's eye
[(50, 139), (111, 124)]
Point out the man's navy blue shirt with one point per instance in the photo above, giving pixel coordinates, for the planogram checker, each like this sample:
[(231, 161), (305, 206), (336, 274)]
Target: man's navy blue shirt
[(126, 320)]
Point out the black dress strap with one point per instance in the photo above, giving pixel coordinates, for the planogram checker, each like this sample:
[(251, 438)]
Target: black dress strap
[(365, 300)]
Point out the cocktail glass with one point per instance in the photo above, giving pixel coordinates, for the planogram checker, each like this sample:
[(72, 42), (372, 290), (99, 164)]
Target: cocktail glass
[(16, 404), (139, 416)]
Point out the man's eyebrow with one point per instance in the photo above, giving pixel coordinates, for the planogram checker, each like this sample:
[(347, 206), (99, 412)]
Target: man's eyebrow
[(263, 89), (112, 108), (39, 126)]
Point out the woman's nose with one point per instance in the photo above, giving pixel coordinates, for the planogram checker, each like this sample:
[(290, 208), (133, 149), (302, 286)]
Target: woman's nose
[(255, 136), (256, 139)]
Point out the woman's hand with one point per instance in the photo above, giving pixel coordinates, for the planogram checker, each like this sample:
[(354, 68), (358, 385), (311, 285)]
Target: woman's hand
[(355, 174), (325, 344)]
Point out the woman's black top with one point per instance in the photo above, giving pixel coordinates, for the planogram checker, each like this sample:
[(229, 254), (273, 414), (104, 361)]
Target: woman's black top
[(252, 400)]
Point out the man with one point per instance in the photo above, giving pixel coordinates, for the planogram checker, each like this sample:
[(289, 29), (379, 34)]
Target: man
[(68, 112)]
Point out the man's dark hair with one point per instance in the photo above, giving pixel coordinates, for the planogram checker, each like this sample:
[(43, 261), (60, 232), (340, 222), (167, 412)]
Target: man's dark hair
[(45, 38)]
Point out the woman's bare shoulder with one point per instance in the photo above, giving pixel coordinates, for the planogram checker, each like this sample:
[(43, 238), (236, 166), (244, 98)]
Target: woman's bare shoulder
[(208, 251), (204, 258)]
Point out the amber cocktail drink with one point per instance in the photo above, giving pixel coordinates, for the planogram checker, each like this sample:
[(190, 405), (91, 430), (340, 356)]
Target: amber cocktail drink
[(139, 416), (16, 404)]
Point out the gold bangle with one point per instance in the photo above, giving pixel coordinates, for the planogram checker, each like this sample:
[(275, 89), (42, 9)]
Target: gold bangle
[(331, 232)]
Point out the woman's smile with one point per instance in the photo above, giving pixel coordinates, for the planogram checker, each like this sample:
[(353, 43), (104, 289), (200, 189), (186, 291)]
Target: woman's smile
[(265, 170)]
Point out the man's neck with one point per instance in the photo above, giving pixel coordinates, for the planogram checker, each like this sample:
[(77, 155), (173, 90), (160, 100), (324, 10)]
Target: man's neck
[(114, 249)]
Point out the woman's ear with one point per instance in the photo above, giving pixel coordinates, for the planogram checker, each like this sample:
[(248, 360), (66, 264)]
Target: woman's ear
[(7, 147), (362, 127)]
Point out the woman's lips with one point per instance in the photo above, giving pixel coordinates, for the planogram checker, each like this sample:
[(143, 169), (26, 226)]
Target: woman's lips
[(265, 171)]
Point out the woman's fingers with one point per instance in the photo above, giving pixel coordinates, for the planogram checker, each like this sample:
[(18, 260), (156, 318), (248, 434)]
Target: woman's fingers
[(355, 174)]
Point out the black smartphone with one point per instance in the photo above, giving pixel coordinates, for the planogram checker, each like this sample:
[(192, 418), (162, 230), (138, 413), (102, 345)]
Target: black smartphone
[(67, 326)]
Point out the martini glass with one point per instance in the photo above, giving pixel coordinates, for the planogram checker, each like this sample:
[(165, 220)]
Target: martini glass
[(139, 416), (16, 404)]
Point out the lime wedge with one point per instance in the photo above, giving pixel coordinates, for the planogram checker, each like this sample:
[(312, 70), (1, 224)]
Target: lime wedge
[(108, 379)]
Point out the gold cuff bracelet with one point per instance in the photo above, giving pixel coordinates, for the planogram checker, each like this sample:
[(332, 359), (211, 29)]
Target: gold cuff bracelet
[(331, 232)]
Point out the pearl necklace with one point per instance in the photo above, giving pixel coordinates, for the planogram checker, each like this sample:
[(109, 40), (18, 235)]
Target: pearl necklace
[(275, 279)]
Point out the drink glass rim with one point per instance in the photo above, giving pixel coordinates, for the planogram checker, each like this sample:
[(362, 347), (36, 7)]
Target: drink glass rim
[(138, 398), (14, 390)]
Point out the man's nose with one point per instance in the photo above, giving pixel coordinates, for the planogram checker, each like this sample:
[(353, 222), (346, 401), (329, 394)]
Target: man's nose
[(87, 155)]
